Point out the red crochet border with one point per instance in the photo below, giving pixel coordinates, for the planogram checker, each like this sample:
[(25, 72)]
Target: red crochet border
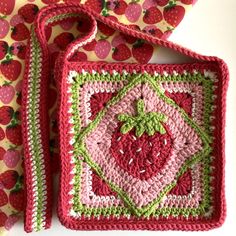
[(62, 72)]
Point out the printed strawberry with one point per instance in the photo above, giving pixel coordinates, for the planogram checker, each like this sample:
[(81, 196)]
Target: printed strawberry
[(20, 32), (50, 1), (4, 26), (3, 218), (63, 39), (82, 25), (90, 46), (128, 39), (8, 179), (11, 69), (16, 199), (173, 14), (52, 94), (96, 5), (2, 135), (120, 7), (28, 12), (153, 30), (3, 198), (142, 51), (141, 144), (7, 113), (121, 53), (13, 134), (2, 152), (162, 3), (3, 49), (133, 11), (11, 158), (11, 220), (102, 48), (19, 98), (152, 16), (79, 56), (7, 93), (16, 19), (106, 30), (187, 2), (149, 3), (48, 32), (117, 40), (7, 6)]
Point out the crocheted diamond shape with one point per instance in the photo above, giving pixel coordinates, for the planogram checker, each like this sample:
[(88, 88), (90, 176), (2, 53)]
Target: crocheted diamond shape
[(152, 177)]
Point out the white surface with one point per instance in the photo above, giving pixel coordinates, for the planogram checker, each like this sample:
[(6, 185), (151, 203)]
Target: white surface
[(208, 29)]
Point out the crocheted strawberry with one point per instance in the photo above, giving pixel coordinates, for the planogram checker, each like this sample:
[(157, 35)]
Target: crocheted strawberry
[(142, 144)]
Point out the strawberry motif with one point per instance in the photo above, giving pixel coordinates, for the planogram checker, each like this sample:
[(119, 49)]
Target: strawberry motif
[(3, 218), (128, 39), (11, 158), (121, 53), (20, 32), (102, 48), (19, 98), (153, 30), (142, 51), (7, 6), (120, 7), (11, 69), (11, 220), (90, 46), (63, 39), (133, 11), (48, 32), (184, 185), (2, 135), (7, 113), (7, 93), (16, 199), (13, 133), (3, 49), (173, 14), (106, 30), (2, 152), (28, 12), (152, 16), (96, 5), (4, 27), (3, 198), (142, 144), (8, 179)]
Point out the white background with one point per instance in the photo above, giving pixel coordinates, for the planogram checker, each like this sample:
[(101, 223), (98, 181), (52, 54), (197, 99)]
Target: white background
[(210, 29)]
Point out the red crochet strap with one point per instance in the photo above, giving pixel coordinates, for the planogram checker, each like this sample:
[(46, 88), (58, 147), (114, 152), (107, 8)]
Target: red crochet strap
[(38, 177), (36, 129)]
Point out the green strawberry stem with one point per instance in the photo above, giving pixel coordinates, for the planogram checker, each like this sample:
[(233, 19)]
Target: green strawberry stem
[(19, 184), (3, 17), (104, 8), (172, 3), (150, 122)]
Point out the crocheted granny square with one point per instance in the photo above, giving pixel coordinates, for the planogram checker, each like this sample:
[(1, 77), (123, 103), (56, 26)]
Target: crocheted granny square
[(142, 147)]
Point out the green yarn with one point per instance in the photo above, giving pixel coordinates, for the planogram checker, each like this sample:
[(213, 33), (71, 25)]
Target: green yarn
[(144, 122)]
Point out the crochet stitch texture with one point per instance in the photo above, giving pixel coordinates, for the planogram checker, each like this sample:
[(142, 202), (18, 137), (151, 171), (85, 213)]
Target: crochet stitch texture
[(141, 145)]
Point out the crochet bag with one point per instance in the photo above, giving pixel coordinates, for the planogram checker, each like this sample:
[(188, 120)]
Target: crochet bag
[(141, 144)]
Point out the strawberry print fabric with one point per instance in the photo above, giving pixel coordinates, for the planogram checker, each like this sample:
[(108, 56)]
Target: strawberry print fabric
[(155, 17)]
